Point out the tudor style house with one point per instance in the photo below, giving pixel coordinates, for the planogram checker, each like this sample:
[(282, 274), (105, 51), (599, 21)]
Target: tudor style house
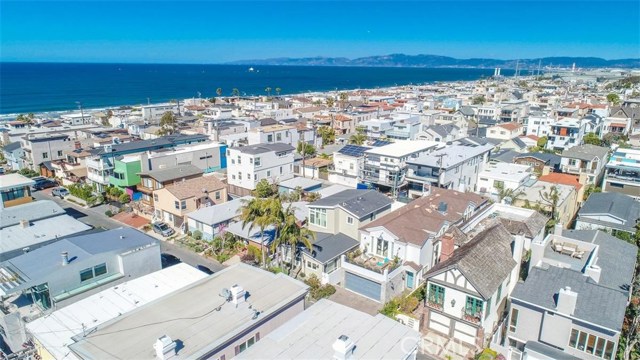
[(398, 248)]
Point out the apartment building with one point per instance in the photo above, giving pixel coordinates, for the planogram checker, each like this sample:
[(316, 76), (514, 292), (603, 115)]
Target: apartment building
[(622, 173), (566, 133), (44, 148), (347, 164), (278, 133), (247, 165), (539, 124)]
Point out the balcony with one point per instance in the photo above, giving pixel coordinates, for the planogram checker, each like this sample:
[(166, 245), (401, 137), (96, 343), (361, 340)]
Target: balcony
[(98, 178), (435, 304), (622, 175), (576, 170), (469, 315), (371, 266), (99, 164)]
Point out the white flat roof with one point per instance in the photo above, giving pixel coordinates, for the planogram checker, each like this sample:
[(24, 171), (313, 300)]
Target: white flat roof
[(55, 331), (505, 171), (402, 148), (311, 334), (11, 181)]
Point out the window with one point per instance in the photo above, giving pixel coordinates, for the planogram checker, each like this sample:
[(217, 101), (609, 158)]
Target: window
[(382, 246), (436, 294), (499, 293), (269, 138), (100, 269), (257, 161), (513, 321), (155, 197), (349, 220), (146, 182), (176, 204), (318, 217), (59, 153), (183, 204), (473, 306), (280, 170), (90, 273), (217, 195), (278, 137), (239, 160), (86, 274), (13, 194), (45, 155), (239, 176), (591, 344), (255, 177), (486, 315)]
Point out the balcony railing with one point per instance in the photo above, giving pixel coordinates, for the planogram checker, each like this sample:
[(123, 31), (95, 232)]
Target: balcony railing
[(372, 263), (631, 177), (435, 304), (578, 170), (471, 316)]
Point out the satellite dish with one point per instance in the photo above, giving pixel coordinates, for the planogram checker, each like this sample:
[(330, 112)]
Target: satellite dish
[(226, 294)]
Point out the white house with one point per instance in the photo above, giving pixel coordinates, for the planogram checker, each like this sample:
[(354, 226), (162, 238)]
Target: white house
[(507, 176), (270, 134), (247, 165), (347, 163)]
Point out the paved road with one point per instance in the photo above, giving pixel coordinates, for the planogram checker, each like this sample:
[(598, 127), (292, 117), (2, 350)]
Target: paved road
[(95, 217)]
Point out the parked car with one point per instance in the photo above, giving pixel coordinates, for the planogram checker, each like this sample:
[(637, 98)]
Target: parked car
[(162, 229), (205, 269), (43, 183), (60, 192)]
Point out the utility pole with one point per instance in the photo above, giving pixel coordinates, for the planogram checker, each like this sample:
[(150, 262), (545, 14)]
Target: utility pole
[(440, 156), (81, 111)]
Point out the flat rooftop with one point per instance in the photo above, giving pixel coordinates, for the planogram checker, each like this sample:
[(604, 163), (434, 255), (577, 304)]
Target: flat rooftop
[(11, 181), (195, 315), (311, 334), (402, 148), (505, 171), (56, 330)]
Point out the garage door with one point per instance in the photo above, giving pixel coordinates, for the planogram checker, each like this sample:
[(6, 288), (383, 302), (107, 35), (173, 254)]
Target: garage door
[(465, 332), (362, 286)]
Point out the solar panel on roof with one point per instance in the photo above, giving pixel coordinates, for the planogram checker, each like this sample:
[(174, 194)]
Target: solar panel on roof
[(379, 143), (353, 150)]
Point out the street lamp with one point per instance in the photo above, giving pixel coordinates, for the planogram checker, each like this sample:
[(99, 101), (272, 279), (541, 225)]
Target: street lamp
[(81, 111)]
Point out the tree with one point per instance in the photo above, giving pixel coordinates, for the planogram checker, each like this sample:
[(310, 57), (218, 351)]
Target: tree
[(542, 142), (264, 189), (305, 149), (590, 190), (235, 92), (219, 91), (478, 100), (257, 212), (268, 91), (551, 198), (357, 139), (614, 99), (592, 139), (327, 134), (343, 98), (330, 101), (504, 193), (168, 124), (278, 90), (292, 235)]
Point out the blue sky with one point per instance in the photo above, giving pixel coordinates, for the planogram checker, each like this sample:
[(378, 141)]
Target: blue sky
[(216, 31)]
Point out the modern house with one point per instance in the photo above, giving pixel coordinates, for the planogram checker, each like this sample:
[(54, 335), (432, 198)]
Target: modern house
[(611, 212), (271, 134), (552, 197), (324, 259), (557, 312), (502, 175), (125, 173), (328, 330), (15, 190), (453, 167), (468, 289), (347, 164), (247, 165), (385, 167), (540, 162), (241, 306), (68, 268), (346, 211), (14, 155), (211, 220), (157, 179), (173, 202), (566, 133), (398, 248), (587, 159), (622, 174), (42, 148)]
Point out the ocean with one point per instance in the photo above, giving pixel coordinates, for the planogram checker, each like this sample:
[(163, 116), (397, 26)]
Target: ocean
[(43, 87)]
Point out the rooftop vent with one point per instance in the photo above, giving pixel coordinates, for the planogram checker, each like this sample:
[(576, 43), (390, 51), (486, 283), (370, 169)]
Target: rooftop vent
[(343, 348), (165, 347), (65, 258), (237, 294), (24, 223), (442, 207)]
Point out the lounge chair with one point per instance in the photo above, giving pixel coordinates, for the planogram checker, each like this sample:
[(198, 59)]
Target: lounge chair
[(578, 254)]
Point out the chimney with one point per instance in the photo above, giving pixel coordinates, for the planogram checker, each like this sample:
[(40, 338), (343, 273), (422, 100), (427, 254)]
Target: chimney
[(343, 348), (567, 299), (593, 272), (442, 207), (24, 223), (77, 145), (557, 229), (165, 347), (237, 294), (447, 246), (65, 258)]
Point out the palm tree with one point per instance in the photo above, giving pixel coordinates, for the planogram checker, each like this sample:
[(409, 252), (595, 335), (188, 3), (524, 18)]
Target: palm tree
[(268, 91), (278, 90), (357, 139), (503, 193), (293, 235), (219, 91), (235, 92), (343, 98), (256, 212), (330, 102), (551, 197)]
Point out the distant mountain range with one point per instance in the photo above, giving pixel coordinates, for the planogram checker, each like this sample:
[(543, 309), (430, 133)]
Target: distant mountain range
[(435, 61)]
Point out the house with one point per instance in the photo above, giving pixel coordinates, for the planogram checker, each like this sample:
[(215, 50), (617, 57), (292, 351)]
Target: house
[(157, 179), (566, 133), (441, 133), (173, 202), (31, 225), (453, 166), (504, 131), (103, 307), (517, 144), (278, 133), (324, 258), (73, 168), (42, 148), (14, 155), (539, 124), (557, 310), (468, 289), (622, 173), (125, 173), (541, 194), (314, 168), (398, 248), (211, 220), (207, 156), (587, 159), (57, 273), (611, 212), (566, 179), (15, 190), (347, 163), (346, 211), (243, 305), (345, 334), (386, 166), (502, 176), (303, 184), (540, 162), (247, 165)]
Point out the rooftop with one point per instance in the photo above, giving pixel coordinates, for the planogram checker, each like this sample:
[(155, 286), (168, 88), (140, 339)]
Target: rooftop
[(359, 203), (11, 181), (586, 152), (327, 247), (451, 155), (173, 172), (507, 172), (198, 317), (402, 148), (217, 214), (196, 187), (310, 335), (263, 148), (624, 208), (302, 182)]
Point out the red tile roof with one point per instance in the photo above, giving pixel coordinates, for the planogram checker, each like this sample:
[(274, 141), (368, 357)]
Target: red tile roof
[(563, 179)]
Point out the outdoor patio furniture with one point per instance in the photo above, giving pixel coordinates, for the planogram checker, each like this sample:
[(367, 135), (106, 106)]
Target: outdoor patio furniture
[(578, 254), (556, 246), (569, 249)]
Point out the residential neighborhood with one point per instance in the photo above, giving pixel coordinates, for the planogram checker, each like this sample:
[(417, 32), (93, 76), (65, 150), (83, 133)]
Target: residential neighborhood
[(488, 219)]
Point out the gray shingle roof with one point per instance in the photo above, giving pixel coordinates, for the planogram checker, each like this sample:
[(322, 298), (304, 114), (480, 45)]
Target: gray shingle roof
[(173, 173), (357, 202), (585, 152), (619, 205), (328, 246), (529, 227), (264, 148), (549, 351), (485, 261), (552, 160), (11, 147)]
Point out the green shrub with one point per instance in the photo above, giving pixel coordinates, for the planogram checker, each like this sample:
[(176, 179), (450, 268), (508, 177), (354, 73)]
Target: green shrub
[(108, 213), (197, 235), (124, 198), (391, 308), (222, 257), (408, 304)]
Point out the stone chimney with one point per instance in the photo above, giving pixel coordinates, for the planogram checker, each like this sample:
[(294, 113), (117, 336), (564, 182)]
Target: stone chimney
[(343, 348), (164, 347), (65, 258), (567, 300), (447, 246)]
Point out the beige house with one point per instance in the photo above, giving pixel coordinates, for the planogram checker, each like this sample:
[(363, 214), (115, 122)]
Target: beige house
[(173, 202)]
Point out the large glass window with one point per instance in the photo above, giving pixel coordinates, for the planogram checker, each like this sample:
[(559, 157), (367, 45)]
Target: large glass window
[(436, 294), (513, 321), (382, 246), (318, 217), (473, 306), (13, 194), (591, 344)]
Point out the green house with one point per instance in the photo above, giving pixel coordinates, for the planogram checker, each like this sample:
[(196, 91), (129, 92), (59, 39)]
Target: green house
[(125, 172)]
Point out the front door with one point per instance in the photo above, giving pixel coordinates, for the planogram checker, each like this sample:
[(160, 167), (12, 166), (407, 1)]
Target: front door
[(409, 280)]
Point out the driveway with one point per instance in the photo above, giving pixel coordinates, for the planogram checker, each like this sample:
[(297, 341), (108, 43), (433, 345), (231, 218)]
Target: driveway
[(94, 217), (189, 257), (355, 301)]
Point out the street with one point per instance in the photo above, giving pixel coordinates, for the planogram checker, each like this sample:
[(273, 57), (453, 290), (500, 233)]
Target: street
[(96, 218)]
